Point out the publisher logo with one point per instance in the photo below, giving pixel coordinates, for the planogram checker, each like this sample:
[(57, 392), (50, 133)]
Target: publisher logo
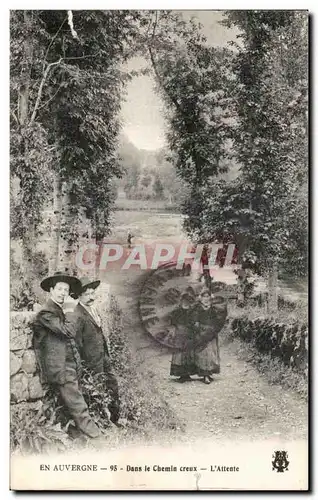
[(280, 462)]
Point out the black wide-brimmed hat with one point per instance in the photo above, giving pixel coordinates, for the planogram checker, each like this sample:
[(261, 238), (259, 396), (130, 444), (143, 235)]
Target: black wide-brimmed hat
[(57, 277), (187, 296), (85, 283), (189, 290)]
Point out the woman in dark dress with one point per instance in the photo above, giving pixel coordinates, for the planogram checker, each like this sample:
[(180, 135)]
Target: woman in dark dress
[(206, 351), (182, 363)]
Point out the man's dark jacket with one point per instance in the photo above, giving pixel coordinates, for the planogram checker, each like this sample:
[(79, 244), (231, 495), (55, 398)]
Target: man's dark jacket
[(90, 340), (54, 346)]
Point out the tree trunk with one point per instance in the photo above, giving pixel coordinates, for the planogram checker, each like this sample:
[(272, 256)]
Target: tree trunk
[(28, 247), (85, 239), (272, 289), (99, 243), (68, 241), (56, 224), (242, 244), (28, 239), (24, 90)]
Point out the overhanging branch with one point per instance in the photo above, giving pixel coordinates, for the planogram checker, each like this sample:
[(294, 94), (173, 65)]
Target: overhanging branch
[(38, 98), (44, 78)]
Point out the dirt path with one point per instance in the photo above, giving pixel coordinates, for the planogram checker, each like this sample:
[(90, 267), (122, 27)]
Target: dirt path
[(238, 405)]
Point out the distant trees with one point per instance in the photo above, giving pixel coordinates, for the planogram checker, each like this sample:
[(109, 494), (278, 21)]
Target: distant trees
[(157, 180), (158, 188), (145, 180)]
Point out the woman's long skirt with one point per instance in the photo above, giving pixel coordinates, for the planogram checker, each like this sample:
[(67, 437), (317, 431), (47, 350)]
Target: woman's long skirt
[(203, 363), (182, 364), (207, 361)]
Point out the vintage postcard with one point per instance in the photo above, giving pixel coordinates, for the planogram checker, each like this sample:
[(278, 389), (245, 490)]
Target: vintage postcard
[(159, 250)]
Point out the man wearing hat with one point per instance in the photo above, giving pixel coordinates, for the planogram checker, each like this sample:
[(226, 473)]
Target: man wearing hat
[(91, 342), (56, 351)]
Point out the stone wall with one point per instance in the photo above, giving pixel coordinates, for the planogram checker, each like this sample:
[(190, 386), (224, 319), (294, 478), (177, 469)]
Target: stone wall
[(24, 377)]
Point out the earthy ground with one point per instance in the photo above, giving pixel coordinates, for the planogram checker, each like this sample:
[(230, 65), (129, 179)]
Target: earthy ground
[(239, 404)]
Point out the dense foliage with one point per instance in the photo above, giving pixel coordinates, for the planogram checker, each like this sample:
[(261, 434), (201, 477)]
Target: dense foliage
[(31, 431), (66, 92), (242, 106), (248, 106), (270, 140)]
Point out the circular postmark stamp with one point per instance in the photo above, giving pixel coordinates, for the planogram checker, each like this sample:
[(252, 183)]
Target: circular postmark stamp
[(164, 295)]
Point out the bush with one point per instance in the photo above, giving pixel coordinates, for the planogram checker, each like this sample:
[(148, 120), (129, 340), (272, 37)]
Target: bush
[(96, 397), (271, 367), (261, 299), (117, 342), (22, 296), (32, 430), (142, 404), (286, 304)]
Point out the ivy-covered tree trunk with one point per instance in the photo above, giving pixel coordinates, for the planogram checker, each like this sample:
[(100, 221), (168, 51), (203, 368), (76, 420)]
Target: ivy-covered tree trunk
[(23, 112), (24, 90), (68, 237), (99, 242), (242, 245), (56, 224)]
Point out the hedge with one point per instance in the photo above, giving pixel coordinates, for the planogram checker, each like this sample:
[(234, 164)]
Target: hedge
[(288, 342)]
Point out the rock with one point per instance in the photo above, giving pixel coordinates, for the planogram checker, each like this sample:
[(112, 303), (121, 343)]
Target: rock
[(27, 405), (18, 339), (19, 353), (20, 329), (19, 387), (29, 362), (29, 341), (35, 388), (15, 363)]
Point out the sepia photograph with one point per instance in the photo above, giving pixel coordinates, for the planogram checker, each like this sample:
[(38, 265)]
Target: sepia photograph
[(159, 250)]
